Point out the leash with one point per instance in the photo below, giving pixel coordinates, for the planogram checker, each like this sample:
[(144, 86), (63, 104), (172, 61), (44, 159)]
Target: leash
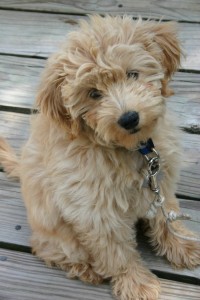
[(152, 158)]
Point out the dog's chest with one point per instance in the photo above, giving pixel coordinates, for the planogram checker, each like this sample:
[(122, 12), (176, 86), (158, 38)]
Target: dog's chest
[(119, 181), (96, 177)]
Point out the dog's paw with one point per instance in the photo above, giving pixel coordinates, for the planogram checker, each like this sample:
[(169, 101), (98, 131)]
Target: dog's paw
[(136, 286), (180, 252), (85, 273), (184, 254)]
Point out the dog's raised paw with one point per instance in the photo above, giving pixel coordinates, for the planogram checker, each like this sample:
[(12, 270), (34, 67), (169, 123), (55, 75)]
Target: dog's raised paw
[(136, 286), (188, 255)]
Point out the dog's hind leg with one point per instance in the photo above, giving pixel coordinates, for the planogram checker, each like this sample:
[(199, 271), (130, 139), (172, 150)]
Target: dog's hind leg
[(64, 252)]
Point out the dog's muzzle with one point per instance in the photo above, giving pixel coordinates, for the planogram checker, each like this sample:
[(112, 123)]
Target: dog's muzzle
[(129, 121)]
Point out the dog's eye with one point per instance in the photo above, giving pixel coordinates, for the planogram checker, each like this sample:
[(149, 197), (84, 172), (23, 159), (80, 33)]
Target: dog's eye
[(132, 74), (95, 94)]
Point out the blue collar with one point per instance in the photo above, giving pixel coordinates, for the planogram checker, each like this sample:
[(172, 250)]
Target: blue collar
[(147, 147)]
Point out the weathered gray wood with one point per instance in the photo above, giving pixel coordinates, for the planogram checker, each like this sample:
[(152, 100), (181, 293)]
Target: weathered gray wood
[(39, 34), (186, 99), (174, 290), (19, 78), (173, 10), (33, 34), (188, 184), (13, 213), (24, 277), (15, 127)]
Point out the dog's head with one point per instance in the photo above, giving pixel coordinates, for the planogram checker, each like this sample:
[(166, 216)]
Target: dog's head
[(110, 78)]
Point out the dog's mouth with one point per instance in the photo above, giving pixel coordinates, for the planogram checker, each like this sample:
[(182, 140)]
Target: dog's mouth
[(134, 130)]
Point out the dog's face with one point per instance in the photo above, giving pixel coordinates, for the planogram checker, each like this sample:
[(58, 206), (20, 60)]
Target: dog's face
[(117, 94), (111, 78)]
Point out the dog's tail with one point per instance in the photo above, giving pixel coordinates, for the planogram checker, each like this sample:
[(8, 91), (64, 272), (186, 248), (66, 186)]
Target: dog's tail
[(9, 160)]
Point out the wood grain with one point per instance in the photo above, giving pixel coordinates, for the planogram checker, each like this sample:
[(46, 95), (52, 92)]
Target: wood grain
[(188, 185), (12, 214), (19, 79), (39, 34), (15, 128), (24, 277), (170, 10)]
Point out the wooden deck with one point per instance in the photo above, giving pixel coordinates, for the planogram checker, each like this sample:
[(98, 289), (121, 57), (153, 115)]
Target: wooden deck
[(30, 31)]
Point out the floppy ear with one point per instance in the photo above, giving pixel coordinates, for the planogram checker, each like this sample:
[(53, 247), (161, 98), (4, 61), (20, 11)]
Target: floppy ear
[(160, 39), (166, 38), (49, 99)]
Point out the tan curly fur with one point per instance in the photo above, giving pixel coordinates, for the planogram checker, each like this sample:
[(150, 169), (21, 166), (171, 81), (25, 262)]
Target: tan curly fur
[(79, 172)]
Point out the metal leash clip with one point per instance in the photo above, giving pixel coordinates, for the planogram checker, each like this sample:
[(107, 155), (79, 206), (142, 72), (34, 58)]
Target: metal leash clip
[(153, 160), (153, 169)]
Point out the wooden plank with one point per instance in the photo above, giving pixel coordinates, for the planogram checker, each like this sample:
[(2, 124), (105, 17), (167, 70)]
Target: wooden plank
[(172, 290), (39, 34), (33, 34), (19, 78), (188, 184), (186, 101), (24, 277), (170, 10), (13, 213), (190, 38), (15, 127)]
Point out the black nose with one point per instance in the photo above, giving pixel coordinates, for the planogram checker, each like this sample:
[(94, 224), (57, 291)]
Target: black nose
[(129, 120)]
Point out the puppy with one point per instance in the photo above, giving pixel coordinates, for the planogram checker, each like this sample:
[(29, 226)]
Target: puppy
[(101, 95)]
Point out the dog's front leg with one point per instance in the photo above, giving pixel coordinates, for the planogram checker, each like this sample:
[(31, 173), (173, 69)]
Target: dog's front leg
[(113, 253), (180, 252)]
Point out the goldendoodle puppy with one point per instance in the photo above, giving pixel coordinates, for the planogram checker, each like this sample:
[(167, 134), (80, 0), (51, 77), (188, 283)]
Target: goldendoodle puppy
[(101, 95)]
